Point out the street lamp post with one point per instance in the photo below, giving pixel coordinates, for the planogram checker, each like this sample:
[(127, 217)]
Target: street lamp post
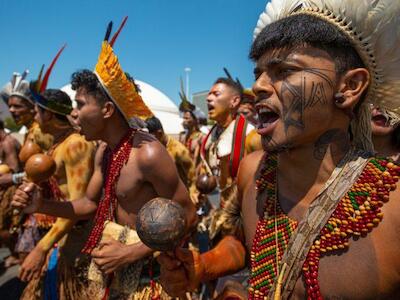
[(187, 70)]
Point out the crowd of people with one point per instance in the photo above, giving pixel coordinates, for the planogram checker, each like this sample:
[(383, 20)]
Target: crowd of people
[(304, 166)]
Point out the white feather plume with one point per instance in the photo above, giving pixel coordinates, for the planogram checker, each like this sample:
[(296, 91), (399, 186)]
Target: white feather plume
[(17, 86), (373, 26)]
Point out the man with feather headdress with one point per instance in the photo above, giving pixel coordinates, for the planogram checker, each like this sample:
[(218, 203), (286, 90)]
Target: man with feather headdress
[(320, 213), (131, 168), (18, 96)]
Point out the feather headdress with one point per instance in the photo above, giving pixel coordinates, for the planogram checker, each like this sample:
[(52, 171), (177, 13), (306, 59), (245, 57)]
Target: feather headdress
[(39, 86), (372, 26), (17, 86), (114, 81), (185, 104)]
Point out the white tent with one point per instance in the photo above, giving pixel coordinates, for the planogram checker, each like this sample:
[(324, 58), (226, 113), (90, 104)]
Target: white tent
[(162, 106)]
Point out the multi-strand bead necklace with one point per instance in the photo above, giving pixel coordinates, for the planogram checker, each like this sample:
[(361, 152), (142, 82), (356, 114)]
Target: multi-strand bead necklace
[(115, 160), (275, 228), (357, 213)]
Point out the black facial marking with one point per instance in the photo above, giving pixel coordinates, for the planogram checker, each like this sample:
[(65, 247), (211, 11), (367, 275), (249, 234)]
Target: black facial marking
[(336, 139), (293, 113), (318, 95)]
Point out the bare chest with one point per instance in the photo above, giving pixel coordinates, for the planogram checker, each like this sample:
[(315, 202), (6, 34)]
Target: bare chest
[(132, 192), (367, 270)]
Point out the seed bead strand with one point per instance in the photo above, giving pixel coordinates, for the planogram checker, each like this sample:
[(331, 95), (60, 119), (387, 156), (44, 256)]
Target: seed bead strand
[(356, 215), (272, 235), (106, 209)]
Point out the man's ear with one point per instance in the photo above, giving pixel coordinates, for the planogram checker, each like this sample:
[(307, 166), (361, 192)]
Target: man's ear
[(352, 86), (48, 115), (235, 102), (108, 109)]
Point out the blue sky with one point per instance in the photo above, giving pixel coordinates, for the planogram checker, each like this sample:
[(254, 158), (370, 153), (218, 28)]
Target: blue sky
[(160, 39)]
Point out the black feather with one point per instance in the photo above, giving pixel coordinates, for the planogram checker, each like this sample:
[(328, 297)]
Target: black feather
[(108, 32)]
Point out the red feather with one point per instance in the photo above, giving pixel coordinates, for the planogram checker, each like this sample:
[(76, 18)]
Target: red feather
[(116, 34), (47, 75)]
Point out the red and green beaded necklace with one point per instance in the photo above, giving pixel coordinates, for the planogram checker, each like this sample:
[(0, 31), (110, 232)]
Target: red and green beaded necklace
[(114, 161), (274, 228), (357, 213)]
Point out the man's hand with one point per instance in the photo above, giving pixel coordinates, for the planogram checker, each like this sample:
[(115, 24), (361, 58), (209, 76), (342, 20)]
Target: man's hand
[(33, 265), (112, 255), (181, 272), (28, 197), (6, 180)]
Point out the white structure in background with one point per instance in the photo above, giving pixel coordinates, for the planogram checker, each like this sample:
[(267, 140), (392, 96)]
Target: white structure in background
[(162, 106)]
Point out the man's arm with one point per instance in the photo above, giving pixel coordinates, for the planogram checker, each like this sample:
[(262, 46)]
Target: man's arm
[(183, 271), (10, 148), (77, 156), (11, 155), (28, 197), (78, 161), (187, 164)]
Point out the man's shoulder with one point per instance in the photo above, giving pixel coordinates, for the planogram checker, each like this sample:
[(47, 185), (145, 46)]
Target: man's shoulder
[(10, 142), (176, 144), (147, 150), (249, 166), (76, 147)]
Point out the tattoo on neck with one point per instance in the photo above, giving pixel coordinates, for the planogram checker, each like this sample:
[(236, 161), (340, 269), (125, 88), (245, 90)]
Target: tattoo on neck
[(335, 139), (274, 147)]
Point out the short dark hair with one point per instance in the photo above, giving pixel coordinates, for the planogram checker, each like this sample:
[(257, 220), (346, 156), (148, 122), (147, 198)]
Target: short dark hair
[(231, 83), (131, 79), (88, 80), (60, 97), (1, 124), (305, 30), (153, 124)]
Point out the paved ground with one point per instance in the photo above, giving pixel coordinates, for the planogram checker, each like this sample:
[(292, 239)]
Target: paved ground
[(10, 286)]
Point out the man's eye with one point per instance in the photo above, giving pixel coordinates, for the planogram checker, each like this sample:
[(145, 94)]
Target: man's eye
[(285, 72)]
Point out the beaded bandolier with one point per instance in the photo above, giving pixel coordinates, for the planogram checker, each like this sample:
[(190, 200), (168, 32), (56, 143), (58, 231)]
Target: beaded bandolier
[(114, 160), (356, 214)]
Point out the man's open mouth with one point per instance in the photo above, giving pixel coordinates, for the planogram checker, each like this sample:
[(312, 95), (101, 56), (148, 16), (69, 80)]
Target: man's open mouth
[(267, 119), (380, 120)]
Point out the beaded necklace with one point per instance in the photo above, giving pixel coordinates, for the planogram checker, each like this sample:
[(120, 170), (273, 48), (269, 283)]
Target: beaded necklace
[(115, 160), (356, 214), (272, 234)]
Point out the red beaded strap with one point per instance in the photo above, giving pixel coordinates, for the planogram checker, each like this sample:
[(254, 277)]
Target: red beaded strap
[(107, 205), (356, 215)]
